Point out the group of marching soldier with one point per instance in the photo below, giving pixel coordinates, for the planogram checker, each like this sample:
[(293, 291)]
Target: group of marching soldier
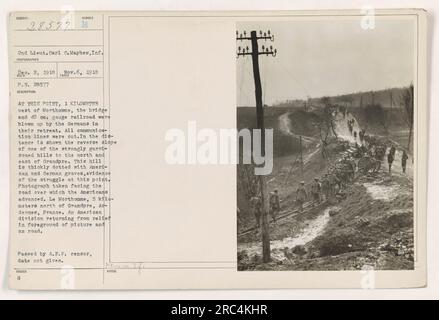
[(332, 182)]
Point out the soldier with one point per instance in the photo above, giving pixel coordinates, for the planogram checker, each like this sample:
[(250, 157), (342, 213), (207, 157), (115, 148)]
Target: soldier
[(274, 204), (404, 161), (301, 195), (363, 149), (331, 183), (380, 152), (364, 163), (335, 184), (353, 168), (257, 209), (343, 175), (316, 189), (326, 188), (390, 158)]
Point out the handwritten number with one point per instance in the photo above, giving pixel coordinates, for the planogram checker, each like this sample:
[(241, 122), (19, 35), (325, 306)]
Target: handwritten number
[(48, 26)]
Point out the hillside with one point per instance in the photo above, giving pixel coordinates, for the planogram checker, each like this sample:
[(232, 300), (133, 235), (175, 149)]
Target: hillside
[(378, 112)]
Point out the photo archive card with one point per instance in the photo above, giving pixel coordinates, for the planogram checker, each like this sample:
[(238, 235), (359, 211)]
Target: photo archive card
[(218, 150)]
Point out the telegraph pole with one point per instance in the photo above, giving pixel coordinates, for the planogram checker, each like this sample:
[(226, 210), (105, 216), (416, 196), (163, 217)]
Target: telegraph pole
[(255, 53)]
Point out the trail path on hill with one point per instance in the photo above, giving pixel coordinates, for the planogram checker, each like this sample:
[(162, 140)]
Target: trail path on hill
[(342, 128)]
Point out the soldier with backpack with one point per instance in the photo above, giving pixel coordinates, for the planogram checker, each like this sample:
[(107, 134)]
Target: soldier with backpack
[(390, 158), (301, 195)]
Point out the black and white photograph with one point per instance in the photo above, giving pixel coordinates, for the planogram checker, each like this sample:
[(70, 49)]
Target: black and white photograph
[(250, 153), (338, 98)]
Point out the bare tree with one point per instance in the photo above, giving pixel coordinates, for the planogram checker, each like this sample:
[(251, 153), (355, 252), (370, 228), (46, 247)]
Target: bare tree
[(248, 180), (326, 125), (328, 116), (324, 132)]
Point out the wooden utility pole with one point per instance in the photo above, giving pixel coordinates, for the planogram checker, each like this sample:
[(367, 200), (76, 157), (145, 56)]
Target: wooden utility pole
[(391, 99), (255, 52), (301, 156)]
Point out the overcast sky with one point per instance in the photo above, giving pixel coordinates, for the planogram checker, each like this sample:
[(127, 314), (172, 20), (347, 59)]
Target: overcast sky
[(318, 58)]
